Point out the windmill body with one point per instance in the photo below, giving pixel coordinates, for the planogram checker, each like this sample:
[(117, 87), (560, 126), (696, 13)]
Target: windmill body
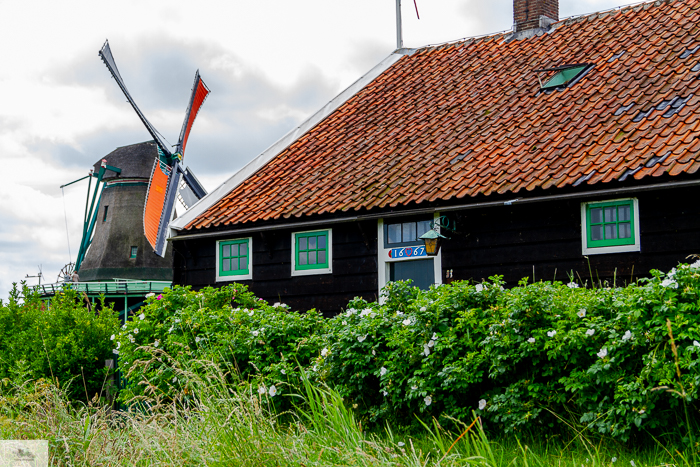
[(119, 248)]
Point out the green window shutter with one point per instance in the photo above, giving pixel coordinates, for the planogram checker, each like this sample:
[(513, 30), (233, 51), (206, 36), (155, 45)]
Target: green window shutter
[(610, 224), (234, 257), (311, 250)]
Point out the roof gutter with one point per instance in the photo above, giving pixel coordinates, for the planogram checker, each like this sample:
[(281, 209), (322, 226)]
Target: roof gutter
[(459, 207)]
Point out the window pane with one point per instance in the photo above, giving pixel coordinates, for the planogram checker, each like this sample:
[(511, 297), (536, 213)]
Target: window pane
[(243, 262), (623, 212), (312, 257), (394, 231), (312, 243), (234, 250), (302, 258), (625, 230), (303, 243), (597, 216), (244, 249), (321, 256), (226, 265), (409, 231), (422, 227), (610, 214), (597, 232), (322, 242), (610, 230), (227, 251)]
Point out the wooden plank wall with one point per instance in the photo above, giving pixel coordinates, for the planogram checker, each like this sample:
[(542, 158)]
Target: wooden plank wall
[(354, 268), (544, 240), (541, 240)]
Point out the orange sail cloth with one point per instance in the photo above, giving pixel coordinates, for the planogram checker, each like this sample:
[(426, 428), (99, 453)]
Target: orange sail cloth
[(155, 202)]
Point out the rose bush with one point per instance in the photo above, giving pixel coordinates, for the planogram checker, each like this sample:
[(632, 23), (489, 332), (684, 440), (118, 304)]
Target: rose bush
[(614, 360)]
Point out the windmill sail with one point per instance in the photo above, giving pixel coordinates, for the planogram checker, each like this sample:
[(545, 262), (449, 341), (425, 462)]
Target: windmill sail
[(193, 184), (106, 56), (155, 201), (200, 91), (167, 171)]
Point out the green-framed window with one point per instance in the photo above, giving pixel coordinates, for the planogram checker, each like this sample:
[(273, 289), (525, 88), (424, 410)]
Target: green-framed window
[(234, 257), (134, 252), (312, 252), (611, 224)]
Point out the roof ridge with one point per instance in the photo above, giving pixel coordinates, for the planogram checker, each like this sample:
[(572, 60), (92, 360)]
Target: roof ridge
[(563, 21)]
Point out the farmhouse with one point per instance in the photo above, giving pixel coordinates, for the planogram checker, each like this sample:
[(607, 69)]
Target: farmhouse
[(563, 148)]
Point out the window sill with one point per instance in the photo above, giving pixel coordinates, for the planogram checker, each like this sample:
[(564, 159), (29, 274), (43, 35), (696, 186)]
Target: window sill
[(237, 277), (312, 272), (601, 250)]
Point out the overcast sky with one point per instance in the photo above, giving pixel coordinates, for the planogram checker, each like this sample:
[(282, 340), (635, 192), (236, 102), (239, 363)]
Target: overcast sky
[(268, 63)]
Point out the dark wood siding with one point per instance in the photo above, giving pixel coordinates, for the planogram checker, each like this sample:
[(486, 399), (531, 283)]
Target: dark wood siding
[(354, 267), (544, 240), (540, 240)]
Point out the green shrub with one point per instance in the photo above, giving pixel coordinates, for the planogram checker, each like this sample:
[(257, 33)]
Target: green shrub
[(229, 327), (61, 340), (538, 357)]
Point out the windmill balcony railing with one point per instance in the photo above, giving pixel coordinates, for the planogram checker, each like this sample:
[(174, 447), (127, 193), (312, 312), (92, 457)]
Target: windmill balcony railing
[(117, 287)]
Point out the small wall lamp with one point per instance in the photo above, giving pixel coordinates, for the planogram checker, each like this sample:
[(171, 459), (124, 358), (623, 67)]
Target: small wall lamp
[(433, 238)]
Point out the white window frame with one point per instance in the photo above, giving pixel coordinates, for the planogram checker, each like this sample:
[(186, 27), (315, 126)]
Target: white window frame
[(610, 249), (238, 277), (384, 262), (329, 252)]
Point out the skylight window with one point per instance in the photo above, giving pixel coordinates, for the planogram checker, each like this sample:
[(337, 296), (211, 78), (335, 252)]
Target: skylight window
[(563, 75)]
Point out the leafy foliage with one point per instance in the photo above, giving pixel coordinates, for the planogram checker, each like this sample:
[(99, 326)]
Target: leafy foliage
[(228, 326), (538, 357), (61, 340)]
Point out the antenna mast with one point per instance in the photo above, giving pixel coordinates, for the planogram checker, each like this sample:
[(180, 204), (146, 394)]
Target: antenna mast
[(399, 35)]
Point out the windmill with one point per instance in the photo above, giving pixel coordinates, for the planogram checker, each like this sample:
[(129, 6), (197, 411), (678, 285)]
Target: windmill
[(134, 199), (128, 211), (168, 172)]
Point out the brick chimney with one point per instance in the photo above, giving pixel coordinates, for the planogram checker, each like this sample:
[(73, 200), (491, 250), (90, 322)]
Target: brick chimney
[(532, 14)]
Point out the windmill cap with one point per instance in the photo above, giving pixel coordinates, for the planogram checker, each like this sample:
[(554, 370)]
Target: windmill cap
[(135, 160)]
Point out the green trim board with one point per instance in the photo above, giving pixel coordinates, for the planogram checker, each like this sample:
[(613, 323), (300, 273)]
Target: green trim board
[(234, 259), (610, 226), (312, 252)]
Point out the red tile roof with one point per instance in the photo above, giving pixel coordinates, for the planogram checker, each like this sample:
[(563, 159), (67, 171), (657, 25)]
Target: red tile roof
[(468, 118)]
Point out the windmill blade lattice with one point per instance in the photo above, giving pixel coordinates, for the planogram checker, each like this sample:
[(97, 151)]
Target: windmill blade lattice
[(108, 59), (200, 91)]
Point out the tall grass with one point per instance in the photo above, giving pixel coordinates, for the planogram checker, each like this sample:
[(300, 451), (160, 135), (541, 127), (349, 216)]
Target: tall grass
[(221, 420)]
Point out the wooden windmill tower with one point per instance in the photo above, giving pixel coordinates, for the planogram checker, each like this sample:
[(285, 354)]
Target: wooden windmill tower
[(126, 222)]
